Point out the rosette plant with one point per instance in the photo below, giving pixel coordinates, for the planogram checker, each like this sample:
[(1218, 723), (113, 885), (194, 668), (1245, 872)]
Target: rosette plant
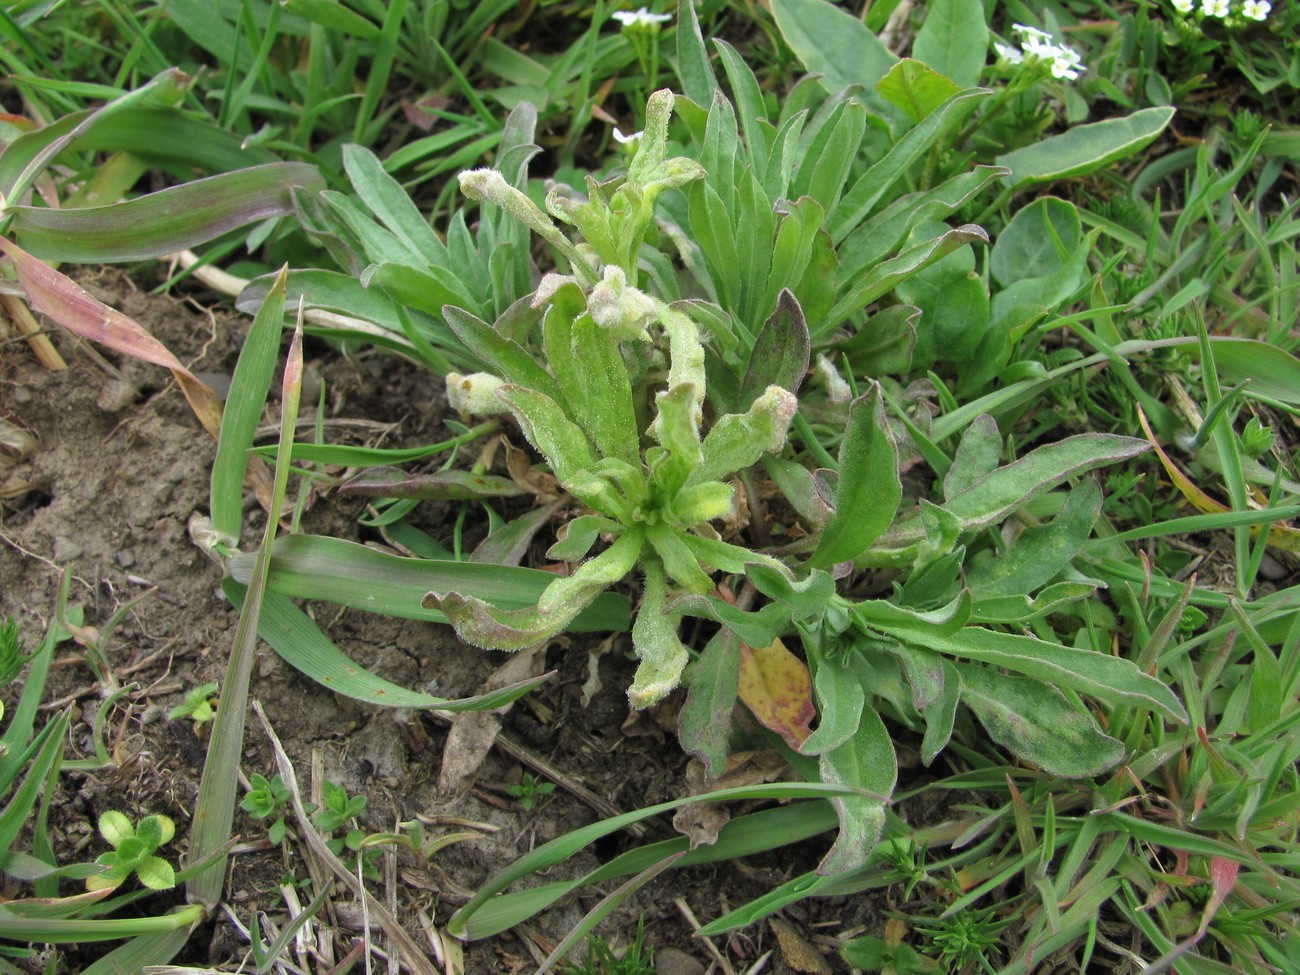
[(583, 400)]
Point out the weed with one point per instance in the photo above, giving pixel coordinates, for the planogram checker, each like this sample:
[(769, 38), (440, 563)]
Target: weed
[(529, 789)]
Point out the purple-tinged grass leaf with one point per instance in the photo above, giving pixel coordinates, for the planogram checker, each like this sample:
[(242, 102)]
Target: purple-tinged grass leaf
[(27, 156), (164, 222), (63, 300), (393, 482)]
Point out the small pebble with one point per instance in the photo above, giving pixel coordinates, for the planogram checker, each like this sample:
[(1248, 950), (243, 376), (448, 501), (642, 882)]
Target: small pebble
[(671, 961), (126, 558), (117, 395), (65, 549)]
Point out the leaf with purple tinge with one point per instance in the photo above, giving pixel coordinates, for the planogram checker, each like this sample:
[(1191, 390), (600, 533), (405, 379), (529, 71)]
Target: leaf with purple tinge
[(58, 297), (164, 222)]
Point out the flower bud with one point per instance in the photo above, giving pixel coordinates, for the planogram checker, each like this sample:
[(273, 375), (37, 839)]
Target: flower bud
[(475, 394), (624, 310)]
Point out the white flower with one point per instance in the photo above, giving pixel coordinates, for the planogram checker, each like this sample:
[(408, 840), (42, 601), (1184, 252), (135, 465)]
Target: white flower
[(1035, 42), (1215, 8), (1030, 34), (640, 18), (1067, 63), (1007, 53), (1184, 6), (622, 139), (1256, 9)]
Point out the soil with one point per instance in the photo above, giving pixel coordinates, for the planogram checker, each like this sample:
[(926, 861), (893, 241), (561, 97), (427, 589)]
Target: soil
[(121, 467)]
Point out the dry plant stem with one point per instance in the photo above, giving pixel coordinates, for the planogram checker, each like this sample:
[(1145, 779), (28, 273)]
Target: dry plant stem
[(685, 910), (412, 956), (23, 319), (229, 284)]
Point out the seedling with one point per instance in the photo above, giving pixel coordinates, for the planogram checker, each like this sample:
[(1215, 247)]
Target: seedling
[(601, 960), (267, 798), (529, 789), (133, 852), (200, 705)]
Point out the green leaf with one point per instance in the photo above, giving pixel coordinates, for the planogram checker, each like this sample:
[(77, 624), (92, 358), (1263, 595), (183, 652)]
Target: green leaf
[(991, 499), (872, 186), (391, 204), (354, 575), (507, 358), (833, 43), (297, 639), (866, 761), (915, 88), (1110, 679), (704, 724), (1085, 148), (1036, 723), (954, 40), (954, 303), (335, 17), (940, 715), (693, 67), (245, 402), (807, 598), (885, 276), (840, 699), (657, 645), (738, 440), (869, 490), (164, 222), (156, 873), (1036, 242), (1041, 551), (977, 456), (115, 827)]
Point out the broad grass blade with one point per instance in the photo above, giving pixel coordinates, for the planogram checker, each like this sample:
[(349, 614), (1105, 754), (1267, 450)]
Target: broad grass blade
[(244, 406), (164, 222)]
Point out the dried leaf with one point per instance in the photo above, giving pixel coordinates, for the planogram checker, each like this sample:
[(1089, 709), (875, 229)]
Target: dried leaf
[(1280, 536), (796, 951), (474, 732)]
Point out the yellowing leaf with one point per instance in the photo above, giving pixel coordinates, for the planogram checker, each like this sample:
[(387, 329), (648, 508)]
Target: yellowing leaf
[(776, 687), (1280, 536)]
